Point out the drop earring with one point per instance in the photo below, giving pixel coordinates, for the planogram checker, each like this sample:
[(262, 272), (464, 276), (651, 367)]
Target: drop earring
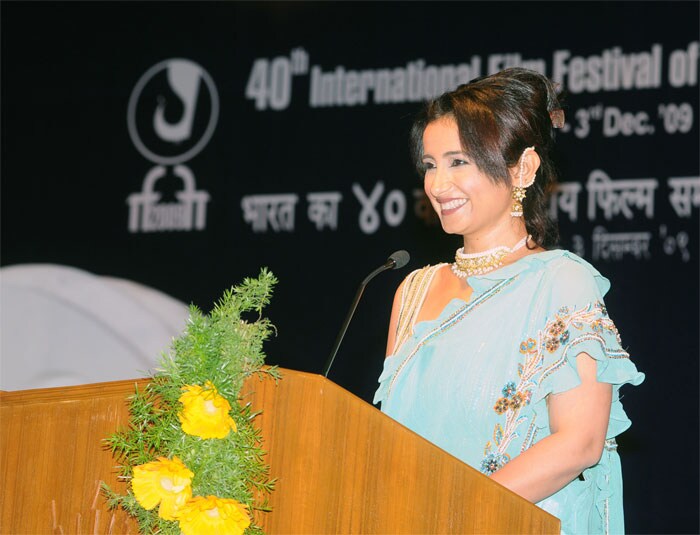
[(519, 189)]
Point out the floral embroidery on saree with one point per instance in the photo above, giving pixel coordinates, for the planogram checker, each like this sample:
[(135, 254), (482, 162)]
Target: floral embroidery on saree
[(567, 329)]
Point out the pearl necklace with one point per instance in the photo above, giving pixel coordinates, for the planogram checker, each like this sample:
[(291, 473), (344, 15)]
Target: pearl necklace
[(468, 264)]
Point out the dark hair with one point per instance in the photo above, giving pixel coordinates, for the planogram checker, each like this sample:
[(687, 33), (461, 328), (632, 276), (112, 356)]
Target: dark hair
[(498, 117)]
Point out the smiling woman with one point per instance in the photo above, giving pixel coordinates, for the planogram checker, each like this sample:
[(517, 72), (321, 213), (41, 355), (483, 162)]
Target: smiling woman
[(466, 199), (506, 358)]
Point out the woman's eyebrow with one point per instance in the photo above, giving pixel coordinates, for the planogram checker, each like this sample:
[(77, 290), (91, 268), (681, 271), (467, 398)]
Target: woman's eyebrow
[(448, 153)]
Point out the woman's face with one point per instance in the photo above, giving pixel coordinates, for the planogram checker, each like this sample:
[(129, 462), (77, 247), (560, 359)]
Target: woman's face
[(467, 201)]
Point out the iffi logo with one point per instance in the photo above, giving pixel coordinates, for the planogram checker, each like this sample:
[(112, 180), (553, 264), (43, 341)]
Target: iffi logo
[(172, 114)]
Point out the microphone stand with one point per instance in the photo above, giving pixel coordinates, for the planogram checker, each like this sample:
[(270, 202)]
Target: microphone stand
[(390, 264)]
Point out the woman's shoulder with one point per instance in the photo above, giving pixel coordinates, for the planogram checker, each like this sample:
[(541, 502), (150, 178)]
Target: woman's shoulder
[(426, 272), (417, 282), (427, 269), (568, 273), (561, 259)]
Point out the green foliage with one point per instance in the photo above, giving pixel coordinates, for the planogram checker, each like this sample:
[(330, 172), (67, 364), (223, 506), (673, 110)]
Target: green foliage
[(223, 348)]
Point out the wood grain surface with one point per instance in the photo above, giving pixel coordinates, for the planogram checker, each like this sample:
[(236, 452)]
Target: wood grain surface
[(342, 466)]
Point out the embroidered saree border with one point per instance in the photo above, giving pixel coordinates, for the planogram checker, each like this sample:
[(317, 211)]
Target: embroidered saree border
[(450, 322), (412, 299)]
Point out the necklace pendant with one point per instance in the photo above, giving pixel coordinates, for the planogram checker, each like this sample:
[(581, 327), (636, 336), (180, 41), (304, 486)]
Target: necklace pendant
[(468, 264)]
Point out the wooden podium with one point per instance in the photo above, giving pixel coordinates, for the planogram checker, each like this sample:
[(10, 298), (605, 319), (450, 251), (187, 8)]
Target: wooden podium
[(342, 466)]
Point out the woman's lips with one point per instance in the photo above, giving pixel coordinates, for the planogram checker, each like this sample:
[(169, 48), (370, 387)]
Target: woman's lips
[(449, 206)]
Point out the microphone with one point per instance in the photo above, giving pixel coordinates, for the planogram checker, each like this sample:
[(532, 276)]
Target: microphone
[(397, 260)]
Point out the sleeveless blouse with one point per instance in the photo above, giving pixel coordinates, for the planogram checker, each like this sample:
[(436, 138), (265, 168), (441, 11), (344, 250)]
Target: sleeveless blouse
[(475, 380)]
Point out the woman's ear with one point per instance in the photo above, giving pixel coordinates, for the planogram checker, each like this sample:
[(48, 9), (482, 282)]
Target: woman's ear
[(523, 173)]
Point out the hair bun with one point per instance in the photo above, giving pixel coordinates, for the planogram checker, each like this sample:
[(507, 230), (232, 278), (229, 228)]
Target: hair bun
[(557, 117)]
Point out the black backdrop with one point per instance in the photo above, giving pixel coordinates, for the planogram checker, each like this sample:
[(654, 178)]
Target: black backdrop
[(304, 98)]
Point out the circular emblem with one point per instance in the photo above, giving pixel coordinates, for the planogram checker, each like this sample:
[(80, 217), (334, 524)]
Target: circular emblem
[(173, 111)]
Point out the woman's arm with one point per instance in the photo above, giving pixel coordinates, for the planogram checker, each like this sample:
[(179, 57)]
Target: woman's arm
[(578, 421)]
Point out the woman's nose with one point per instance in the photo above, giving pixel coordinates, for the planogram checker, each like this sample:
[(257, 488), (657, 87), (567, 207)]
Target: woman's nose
[(440, 183)]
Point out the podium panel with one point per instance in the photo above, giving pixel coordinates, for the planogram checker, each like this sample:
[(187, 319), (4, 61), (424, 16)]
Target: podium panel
[(52, 459), (341, 466), (345, 467)]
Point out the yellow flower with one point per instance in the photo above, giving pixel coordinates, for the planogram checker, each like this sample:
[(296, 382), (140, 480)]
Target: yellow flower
[(205, 413), (212, 515), (163, 481)]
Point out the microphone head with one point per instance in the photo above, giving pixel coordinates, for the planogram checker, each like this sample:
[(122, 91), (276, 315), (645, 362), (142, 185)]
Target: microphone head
[(399, 258)]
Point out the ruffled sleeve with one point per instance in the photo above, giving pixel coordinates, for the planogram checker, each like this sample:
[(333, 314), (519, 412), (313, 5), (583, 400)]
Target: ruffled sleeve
[(578, 323), (391, 363)]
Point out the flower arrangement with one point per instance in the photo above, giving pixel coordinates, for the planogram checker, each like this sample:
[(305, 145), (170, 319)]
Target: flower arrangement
[(190, 454)]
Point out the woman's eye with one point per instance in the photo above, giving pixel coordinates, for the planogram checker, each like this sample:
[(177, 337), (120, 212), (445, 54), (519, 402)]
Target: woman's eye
[(427, 166), (457, 162)]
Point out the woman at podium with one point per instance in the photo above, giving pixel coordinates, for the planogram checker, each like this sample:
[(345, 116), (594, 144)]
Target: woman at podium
[(506, 357)]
